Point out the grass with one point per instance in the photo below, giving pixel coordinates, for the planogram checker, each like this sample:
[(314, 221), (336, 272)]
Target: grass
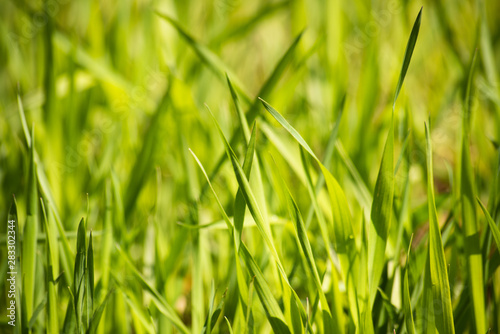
[(250, 167)]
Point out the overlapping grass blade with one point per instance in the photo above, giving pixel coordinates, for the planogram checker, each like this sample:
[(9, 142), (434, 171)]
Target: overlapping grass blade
[(381, 214), (271, 307), (67, 256), (160, 301), (410, 326), (97, 315), (266, 88), (438, 270), (52, 305), (469, 214), (250, 200), (330, 324), (30, 232), (343, 231), (239, 202), (337, 314)]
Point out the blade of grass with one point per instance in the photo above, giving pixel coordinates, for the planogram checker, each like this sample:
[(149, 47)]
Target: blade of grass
[(381, 214), (443, 311), (79, 274), (408, 314), (337, 315), (160, 301), (408, 53), (30, 232), (494, 228), (330, 325), (239, 202), (469, 214), (51, 243), (90, 282), (96, 317), (271, 307), (342, 226)]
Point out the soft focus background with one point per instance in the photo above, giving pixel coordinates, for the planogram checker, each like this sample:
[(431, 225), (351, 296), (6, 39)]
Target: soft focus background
[(116, 95)]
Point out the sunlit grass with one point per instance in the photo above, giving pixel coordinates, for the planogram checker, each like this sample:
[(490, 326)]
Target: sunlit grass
[(251, 167)]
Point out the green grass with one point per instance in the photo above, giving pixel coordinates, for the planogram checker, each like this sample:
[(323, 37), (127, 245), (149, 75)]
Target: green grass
[(250, 167)]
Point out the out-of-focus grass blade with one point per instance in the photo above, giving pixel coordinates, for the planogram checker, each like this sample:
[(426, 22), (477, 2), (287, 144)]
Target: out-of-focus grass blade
[(244, 26), (30, 232), (443, 311), (67, 255), (274, 77), (144, 161), (469, 214), (160, 301), (410, 327), (36, 312), (494, 228), (99, 69), (137, 308), (213, 62), (408, 53), (96, 317), (327, 160)]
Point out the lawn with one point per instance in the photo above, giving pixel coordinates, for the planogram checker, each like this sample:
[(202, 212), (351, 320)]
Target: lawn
[(228, 166)]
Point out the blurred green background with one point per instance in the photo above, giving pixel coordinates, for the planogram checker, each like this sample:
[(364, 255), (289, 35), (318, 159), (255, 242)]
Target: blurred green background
[(116, 96)]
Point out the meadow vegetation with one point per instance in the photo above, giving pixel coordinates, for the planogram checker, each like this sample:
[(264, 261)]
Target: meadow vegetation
[(228, 166)]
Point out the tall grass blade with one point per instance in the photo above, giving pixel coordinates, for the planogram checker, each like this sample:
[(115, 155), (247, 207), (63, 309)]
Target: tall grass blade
[(343, 232), (437, 262), (30, 233), (408, 53), (271, 307), (381, 214), (239, 202), (52, 305), (469, 213), (410, 326), (330, 325)]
